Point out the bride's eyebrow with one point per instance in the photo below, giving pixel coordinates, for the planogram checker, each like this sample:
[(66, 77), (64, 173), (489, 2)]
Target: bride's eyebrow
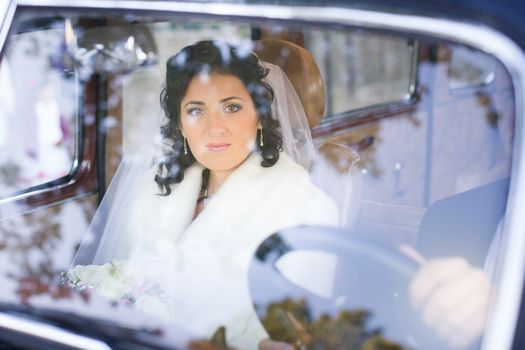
[(230, 98), (200, 103)]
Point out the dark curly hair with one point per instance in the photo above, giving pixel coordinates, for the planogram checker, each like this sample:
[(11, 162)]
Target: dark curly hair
[(220, 58)]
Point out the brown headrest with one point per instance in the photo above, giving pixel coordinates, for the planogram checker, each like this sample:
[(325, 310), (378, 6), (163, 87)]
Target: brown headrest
[(302, 70)]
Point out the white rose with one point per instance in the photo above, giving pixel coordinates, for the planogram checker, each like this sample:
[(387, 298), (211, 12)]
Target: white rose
[(114, 280), (89, 275), (113, 289)]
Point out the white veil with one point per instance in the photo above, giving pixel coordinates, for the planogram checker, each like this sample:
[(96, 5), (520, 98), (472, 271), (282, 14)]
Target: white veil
[(288, 110), (107, 238)]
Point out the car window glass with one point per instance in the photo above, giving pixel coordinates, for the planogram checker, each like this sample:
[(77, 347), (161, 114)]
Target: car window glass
[(431, 174), (38, 111), (470, 68), (361, 69)]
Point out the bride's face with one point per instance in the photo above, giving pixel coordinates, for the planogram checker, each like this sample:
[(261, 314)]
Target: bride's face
[(219, 120)]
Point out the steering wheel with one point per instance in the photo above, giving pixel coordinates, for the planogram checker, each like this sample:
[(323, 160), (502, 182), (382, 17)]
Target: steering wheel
[(367, 276)]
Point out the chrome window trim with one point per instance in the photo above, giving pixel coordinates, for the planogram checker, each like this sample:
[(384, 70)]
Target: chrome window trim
[(49, 333), (7, 11), (503, 318)]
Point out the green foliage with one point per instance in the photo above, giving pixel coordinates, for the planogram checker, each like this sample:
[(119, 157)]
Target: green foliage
[(291, 321)]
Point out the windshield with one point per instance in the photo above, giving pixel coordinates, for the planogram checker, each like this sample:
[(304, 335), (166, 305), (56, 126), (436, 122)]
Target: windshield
[(250, 183)]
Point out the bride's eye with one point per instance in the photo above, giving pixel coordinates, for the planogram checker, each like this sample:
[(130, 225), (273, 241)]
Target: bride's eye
[(194, 111), (232, 107)]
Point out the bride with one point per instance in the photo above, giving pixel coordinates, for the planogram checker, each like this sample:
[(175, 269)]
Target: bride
[(176, 239)]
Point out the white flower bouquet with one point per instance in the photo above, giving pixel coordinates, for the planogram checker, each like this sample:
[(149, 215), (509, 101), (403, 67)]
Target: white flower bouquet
[(122, 281)]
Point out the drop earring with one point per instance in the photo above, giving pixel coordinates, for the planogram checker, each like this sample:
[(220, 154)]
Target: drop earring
[(185, 146), (261, 141)]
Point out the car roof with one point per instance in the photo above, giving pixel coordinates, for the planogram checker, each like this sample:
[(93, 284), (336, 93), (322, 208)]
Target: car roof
[(503, 15)]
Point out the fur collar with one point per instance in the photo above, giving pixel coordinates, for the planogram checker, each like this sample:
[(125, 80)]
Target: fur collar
[(245, 192)]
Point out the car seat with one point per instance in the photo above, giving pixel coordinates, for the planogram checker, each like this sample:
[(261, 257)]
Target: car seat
[(464, 224), (335, 168)]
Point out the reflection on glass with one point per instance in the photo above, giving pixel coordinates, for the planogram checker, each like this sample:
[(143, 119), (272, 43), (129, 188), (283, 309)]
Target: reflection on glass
[(426, 172), (118, 49), (28, 249), (37, 112), (292, 321), (360, 69), (470, 68)]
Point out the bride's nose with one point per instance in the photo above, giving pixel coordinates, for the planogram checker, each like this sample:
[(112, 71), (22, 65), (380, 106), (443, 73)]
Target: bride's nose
[(216, 123)]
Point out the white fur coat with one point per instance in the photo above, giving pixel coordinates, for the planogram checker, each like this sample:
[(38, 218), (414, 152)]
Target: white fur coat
[(203, 263)]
